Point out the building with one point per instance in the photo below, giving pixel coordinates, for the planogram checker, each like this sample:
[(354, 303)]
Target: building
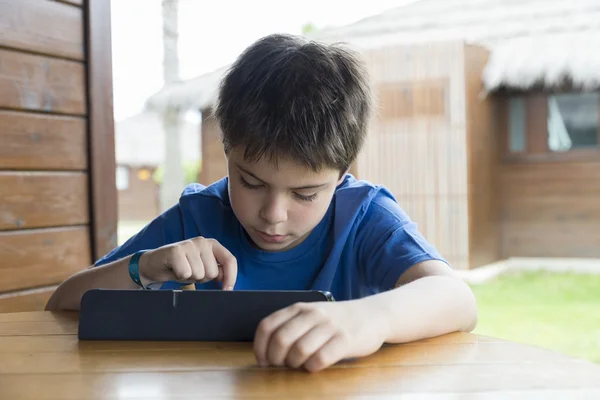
[(487, 126), (140, 152)]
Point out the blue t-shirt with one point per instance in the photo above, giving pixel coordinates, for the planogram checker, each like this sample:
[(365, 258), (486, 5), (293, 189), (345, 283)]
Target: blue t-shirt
[(361, 247)]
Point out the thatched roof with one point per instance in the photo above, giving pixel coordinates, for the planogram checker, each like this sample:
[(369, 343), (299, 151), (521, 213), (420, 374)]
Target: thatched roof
[(495, 24), (547, 61), (194, 94), (140, 140), (487, 22)]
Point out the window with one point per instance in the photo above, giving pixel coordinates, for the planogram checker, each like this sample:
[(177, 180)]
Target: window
[(572, 121), (543, 126), (516, 123), (122, 177)]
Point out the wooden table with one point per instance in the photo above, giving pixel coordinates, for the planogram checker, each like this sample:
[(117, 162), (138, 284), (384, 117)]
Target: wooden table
[(41, 358)]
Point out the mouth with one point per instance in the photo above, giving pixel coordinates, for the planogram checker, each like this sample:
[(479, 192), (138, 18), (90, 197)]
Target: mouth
[(271, 238)]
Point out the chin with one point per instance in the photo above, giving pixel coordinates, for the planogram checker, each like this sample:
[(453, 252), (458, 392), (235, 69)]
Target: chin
[(273, 246), (267, 246)]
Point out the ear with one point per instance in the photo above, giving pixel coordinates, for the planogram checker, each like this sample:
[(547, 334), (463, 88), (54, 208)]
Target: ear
[(342, 176)]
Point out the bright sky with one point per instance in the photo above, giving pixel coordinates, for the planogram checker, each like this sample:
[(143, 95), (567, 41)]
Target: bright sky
[(211, 34)]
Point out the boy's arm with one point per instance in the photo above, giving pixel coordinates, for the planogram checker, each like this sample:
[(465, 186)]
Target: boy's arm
[(196, 260), (114, 275), (112, 270), (429, 300)]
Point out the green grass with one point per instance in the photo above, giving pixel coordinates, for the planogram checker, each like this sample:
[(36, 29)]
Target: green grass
[(558, 311)]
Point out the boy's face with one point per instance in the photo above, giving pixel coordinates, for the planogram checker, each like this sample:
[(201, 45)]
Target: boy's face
[(278, 207)]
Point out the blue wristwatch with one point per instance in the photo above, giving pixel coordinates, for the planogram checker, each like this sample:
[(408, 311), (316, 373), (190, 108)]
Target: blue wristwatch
[(134, 272)]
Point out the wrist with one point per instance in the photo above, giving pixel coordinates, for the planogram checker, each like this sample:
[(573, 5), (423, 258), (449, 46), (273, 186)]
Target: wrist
[(142, 268), (136, 271)]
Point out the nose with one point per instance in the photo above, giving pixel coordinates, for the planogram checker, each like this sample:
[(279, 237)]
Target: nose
[(274, 210)]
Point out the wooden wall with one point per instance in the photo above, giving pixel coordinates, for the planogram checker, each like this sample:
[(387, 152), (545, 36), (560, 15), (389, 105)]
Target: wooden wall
[(214, 164), (57, 192), (550, 203), (417, 145), (551, 209), (483, 163)]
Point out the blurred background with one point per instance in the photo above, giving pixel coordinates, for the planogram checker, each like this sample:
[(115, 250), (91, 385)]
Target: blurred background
[(487, 133)]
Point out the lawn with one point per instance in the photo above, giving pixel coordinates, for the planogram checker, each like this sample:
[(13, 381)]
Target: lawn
[(558, 311)]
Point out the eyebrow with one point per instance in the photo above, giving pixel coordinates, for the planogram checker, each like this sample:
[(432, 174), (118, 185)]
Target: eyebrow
[(306, 187)]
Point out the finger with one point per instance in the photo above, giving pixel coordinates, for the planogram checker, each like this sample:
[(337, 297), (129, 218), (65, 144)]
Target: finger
[(176, 267), (306, 346), (228, 265), (330, 353), (196, 263), (266, 327), (285, 337), (211, 269)]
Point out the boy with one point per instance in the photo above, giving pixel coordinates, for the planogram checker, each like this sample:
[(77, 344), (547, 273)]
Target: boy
[(294, 115)]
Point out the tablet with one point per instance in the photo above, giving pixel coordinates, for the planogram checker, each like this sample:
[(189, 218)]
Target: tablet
[(178, 315)]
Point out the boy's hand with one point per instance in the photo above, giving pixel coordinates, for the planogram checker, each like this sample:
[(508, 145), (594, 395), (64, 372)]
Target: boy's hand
[(196, 260), (317, 335)]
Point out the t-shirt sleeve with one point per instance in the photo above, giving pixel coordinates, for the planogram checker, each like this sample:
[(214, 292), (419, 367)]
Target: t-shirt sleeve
[(389, 243), (164, 229)]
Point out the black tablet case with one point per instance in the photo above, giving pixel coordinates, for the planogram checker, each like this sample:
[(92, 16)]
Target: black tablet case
[(176, 315)]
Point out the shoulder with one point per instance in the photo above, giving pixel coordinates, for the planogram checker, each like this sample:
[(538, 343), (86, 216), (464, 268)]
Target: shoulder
[(206, 211), (199, 203), (370, 202), (215, 191)]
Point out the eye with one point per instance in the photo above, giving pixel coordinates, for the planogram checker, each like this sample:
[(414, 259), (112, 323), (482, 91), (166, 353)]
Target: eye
[(247, 185), (310, 198)]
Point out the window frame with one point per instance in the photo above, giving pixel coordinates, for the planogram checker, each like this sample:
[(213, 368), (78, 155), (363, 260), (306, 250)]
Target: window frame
[(536, 130)]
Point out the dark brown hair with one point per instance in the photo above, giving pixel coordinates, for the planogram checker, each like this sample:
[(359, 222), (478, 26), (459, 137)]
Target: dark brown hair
[(286, 96)]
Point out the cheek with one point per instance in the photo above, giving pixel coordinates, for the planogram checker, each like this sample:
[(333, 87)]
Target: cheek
[(308, 216), (242, 202)]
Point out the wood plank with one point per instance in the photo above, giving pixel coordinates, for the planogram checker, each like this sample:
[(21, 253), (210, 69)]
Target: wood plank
[(25, 301), (104, 209), (550, 209), (54, 317), (519, 381), (38, 142), (482, 165), (412, 99), (550, 180), (39, 83), (66, 343), (579, 239), (216, 357), (43, 199), (536, 114), (42, 257), (45, 27)]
